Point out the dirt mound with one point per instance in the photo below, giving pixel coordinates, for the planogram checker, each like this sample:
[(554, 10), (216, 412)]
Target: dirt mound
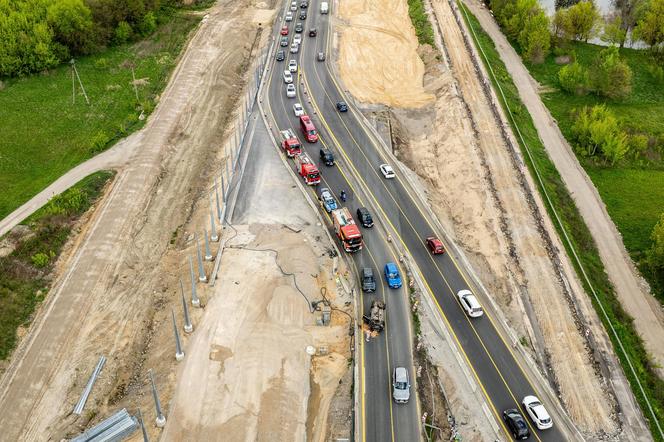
[(378, 62)]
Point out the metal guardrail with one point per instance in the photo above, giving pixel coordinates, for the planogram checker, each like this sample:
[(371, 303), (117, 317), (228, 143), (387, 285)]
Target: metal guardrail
[(114, 429), (78, 409)]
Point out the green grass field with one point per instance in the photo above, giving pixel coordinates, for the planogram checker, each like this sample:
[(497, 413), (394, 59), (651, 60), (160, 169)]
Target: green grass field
[(575, 227), (634, 199), (44, 134), (24, 273)]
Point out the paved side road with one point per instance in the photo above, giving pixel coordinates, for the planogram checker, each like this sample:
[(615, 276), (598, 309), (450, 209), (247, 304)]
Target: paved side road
[(630, 288), (113, 158)]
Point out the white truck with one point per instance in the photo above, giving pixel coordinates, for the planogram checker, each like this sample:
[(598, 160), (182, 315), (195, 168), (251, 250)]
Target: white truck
[(324, 8)]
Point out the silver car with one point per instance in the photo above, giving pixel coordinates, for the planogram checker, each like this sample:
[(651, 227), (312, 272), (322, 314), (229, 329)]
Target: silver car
[(400, 385)]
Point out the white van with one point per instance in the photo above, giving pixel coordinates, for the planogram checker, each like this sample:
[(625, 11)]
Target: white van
[(324, 8)]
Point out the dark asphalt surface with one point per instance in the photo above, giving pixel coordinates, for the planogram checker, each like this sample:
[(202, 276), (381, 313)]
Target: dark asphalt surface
[(494, 366)]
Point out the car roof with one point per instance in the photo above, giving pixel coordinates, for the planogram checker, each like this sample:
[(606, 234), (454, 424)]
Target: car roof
[(401, 374), (472, 300), (391, 266), (362, 210), (367, 271)]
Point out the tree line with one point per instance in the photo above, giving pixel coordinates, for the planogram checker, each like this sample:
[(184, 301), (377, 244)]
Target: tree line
[(39, 34), (525, 22)]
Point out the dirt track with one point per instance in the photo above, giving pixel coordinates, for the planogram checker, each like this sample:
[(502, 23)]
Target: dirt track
[(116, 281)]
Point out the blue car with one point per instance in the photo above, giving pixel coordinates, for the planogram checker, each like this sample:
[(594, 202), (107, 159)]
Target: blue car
[(327, 200), (392, 275)]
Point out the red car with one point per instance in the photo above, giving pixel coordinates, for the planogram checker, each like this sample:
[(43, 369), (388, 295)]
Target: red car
[(435, 245), (284, 30)]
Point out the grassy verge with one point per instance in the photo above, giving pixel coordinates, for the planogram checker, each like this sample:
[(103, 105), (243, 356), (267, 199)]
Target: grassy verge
[(25, 272), (421, 23), (44, 134), (578, 234)]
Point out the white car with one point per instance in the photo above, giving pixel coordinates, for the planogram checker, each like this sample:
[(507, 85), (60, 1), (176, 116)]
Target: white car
[(537, 412), (294, 48), (469, 303), (293, 6), (297, 38), (387, 171), (290, 90), (298, 109), (288, 77), (289, 16), (292, 66)]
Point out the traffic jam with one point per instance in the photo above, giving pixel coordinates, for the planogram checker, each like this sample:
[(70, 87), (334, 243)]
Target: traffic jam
[(348, 231)]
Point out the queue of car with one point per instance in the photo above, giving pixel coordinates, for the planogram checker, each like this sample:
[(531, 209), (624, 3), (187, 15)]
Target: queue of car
[(514, 420)]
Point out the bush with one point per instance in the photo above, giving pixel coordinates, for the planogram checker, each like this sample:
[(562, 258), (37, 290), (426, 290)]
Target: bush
[(535, 39), (655, 255), (148, 24), (574, 79), (122, 33), (596, 130), (611, 76), (40, 260), (71, 22)]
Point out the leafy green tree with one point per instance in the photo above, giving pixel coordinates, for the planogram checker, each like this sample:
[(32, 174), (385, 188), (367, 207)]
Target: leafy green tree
[(71, 22), (614, 33), (650, 28), (629, 12), (596, 130), (574, 79), (610, 75), (148, 24), (560, 24), (535, 39), (123, 32), (582, 20)]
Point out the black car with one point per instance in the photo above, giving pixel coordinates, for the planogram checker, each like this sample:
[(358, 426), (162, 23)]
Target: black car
[(281, 56), (368, 280), (304, 4), (365, 217), (298, 27), (313, 32), (327, 157), (284, 41), (516, 423), (303, 15), (342, 106)]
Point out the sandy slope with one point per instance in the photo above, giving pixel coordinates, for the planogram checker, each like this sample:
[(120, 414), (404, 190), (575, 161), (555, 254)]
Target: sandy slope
[(377, 54)]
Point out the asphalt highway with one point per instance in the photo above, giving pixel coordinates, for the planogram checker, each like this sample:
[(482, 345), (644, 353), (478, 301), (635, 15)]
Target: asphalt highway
[(380, 418), (496, 369)]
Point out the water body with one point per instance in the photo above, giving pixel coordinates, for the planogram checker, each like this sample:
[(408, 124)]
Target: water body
[(605, 6)]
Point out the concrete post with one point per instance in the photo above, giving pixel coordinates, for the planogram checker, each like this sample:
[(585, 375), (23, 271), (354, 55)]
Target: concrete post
[(188, 327), (229, 172), (179, 353), (161, 419), (213, 228), (216, 196), (143, 430), (201, 269), (230, 148), (223, 189), (194, 297), (208, 253)]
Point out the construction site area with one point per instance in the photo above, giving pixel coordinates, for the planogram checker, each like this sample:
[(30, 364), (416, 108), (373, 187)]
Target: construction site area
[(210, 283)]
